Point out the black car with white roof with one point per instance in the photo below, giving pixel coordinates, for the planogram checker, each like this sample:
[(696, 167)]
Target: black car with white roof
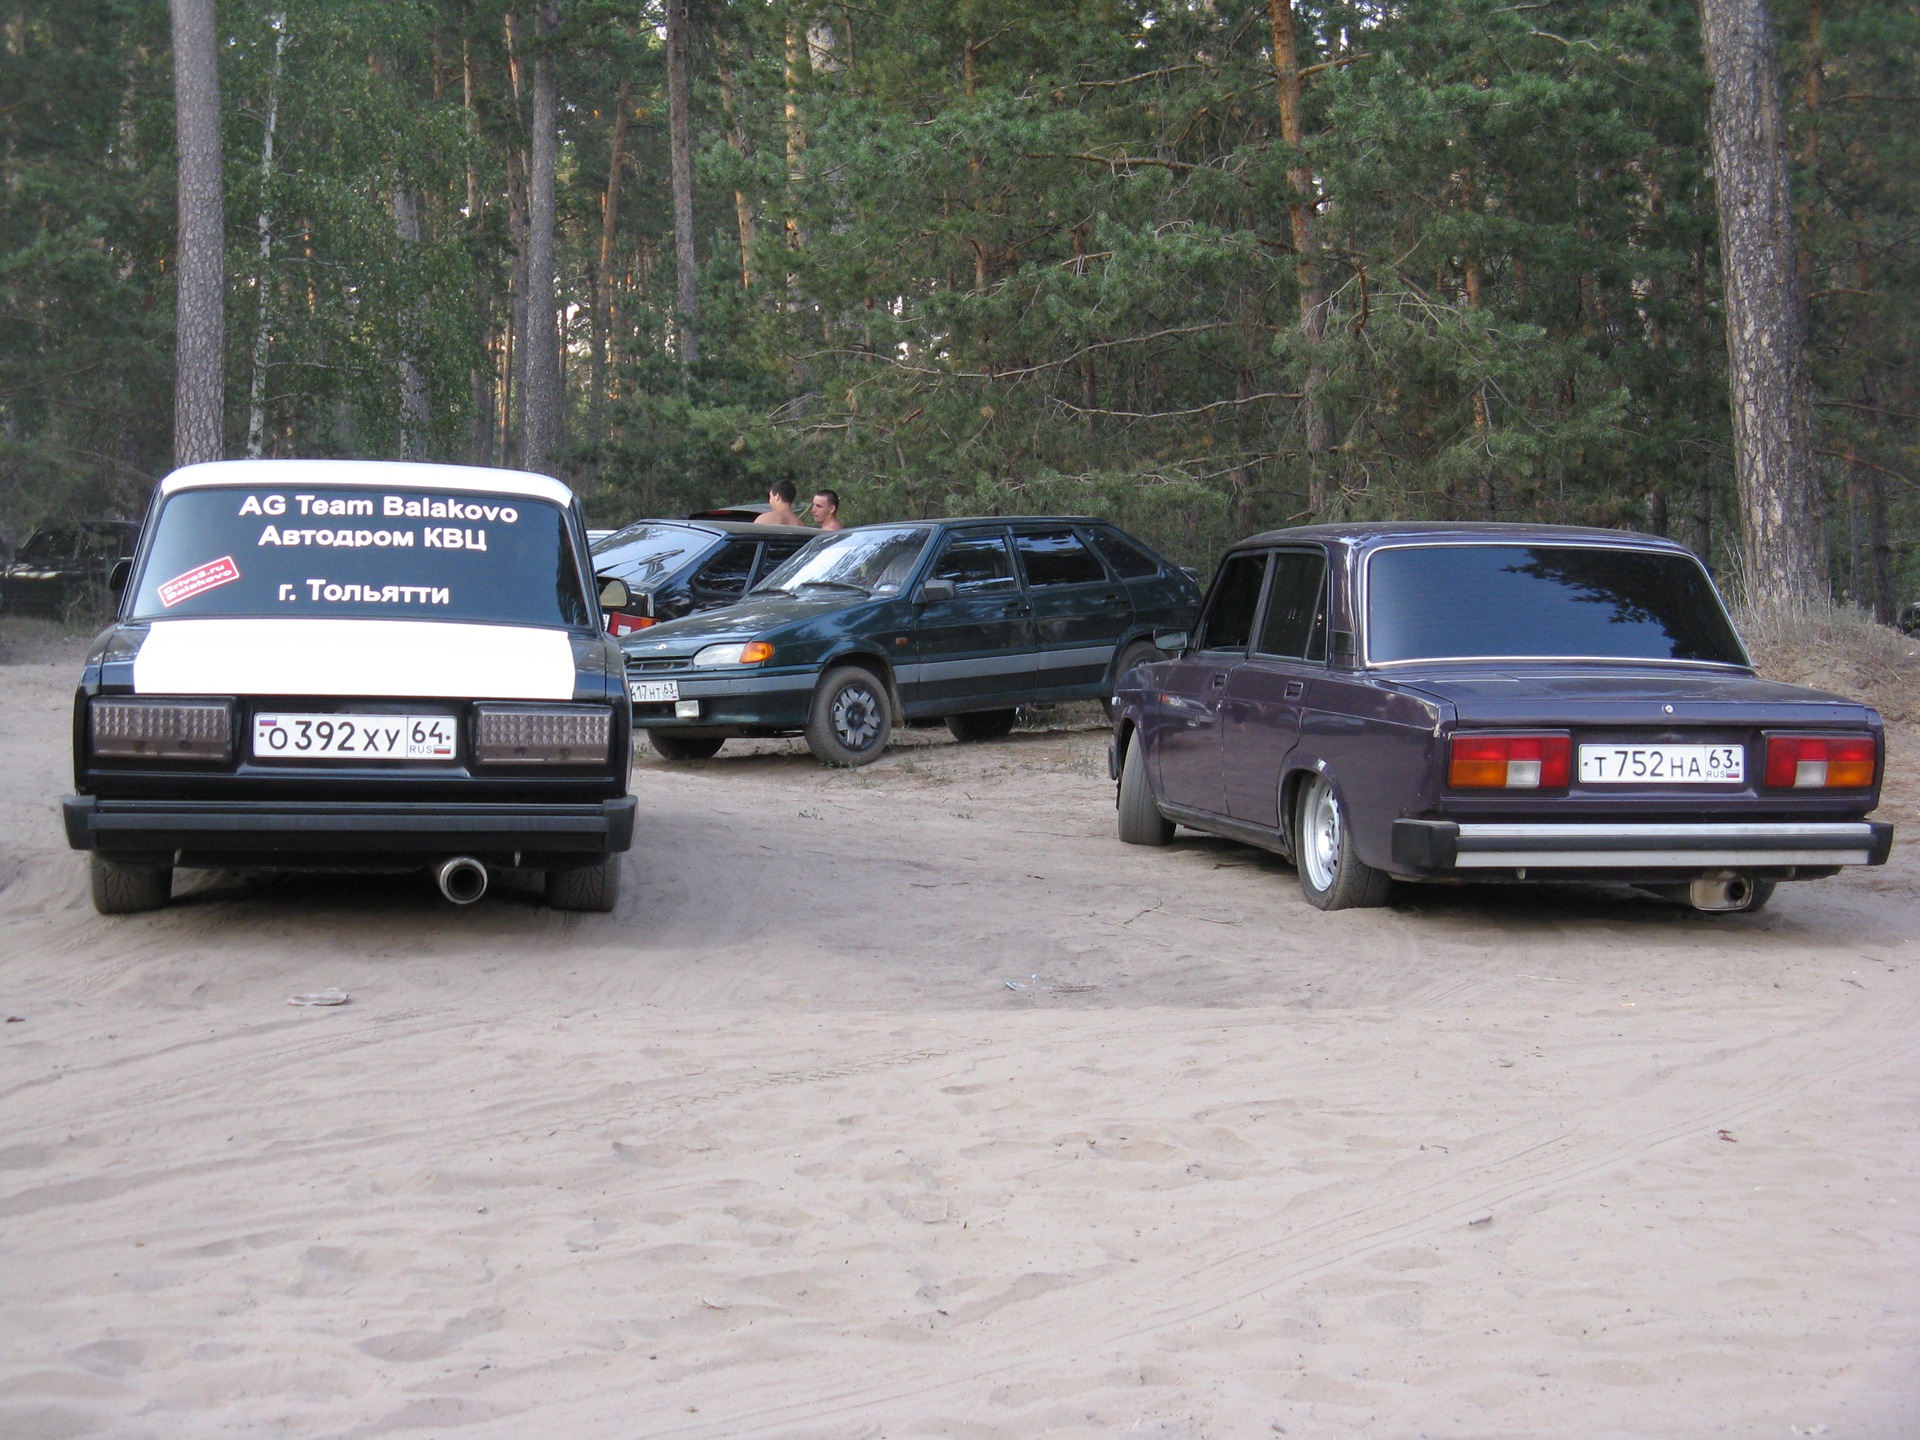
[(351, 665)]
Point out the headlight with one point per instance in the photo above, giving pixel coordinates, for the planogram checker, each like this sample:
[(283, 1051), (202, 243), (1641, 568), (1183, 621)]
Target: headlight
[(751, 653), (161, 729), (573, 735)]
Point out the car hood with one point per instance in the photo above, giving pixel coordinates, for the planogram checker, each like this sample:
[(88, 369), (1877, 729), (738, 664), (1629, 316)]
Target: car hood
[(754, 616), (1518, 693), (353, 657)]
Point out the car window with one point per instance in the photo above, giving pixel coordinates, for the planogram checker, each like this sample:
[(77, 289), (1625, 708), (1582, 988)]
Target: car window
[(48, 547), (775, 553), (647, 553), (1128, 560), (1057, 557), (873, 560), (1229, 621), (975, 564), (360, 552), (724, 577), (1544, 601), (1295, 624)]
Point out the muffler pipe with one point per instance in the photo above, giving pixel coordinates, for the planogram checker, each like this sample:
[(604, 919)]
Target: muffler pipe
[(1723, 891), (462, 879)]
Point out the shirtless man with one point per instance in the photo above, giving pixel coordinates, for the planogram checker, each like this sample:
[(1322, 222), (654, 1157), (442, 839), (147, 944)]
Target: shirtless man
[(780, 506), (826, 509)]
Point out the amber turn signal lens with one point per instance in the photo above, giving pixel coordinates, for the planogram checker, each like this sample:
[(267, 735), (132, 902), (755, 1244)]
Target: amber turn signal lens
[(1509, 762), (755, 652), (1820, 762)]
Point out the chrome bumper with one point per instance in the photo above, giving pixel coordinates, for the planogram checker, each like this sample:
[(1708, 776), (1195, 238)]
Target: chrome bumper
[(1429, 845)]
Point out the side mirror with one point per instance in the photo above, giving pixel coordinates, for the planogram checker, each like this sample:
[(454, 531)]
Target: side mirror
[(1173, 642), (932, 592), (614, 594), (118, 576)]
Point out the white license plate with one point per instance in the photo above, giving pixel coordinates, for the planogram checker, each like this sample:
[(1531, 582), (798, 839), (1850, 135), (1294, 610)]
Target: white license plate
[(354, 737), (653, 692), (1663, 764)]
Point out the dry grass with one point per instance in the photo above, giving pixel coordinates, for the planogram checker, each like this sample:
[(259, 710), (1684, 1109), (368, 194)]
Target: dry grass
[(1837, 648)]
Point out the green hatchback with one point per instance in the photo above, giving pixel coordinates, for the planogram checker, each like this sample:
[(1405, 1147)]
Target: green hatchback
[(954, 620)]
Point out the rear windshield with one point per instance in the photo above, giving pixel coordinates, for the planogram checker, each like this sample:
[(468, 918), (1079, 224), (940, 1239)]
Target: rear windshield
[(356, 552), (1544, 601), (649, 551)]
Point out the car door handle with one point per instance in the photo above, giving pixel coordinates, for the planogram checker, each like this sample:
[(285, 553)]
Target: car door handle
[(1219, 682), (1295, 689)]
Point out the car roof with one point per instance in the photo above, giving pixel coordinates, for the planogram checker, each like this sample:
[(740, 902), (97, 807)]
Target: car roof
[(1371, 533), (714, 527), (372, 474)]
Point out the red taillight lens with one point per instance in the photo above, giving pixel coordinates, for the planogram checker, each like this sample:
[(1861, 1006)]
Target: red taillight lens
[(1820, 762), (620, 623), (1510, 762)]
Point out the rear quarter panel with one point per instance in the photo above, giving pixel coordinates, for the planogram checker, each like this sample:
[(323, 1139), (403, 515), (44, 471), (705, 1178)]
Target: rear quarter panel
[(1379, 744)]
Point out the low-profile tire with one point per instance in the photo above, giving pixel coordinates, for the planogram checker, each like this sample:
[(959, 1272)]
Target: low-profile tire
[(128, 889), (681, 748), (1141, 822), (850, 718), (593, 887), (1332, 876), (1140, 652), (982, 725)]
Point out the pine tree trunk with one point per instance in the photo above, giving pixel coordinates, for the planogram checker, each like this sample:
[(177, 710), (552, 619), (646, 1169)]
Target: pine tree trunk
[(200, 327), (540, 403), (1302, 208), (1782, 521), (603, 269), (742, 144), (263, 284), (680, 144), (414, 418), (480, 380)]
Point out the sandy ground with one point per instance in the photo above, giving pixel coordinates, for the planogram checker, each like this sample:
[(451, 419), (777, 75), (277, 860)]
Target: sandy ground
[(907, 1102)]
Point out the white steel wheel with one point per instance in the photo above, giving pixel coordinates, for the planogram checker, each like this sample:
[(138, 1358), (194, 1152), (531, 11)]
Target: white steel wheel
[(1332, 876)]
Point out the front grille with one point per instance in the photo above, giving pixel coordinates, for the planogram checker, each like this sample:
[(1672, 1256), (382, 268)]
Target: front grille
[(655, 667)]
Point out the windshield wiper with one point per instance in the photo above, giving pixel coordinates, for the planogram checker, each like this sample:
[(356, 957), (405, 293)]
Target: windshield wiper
[(834, 585)]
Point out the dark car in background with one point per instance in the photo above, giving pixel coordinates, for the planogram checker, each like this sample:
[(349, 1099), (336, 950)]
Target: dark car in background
[(62, 564), (954, 620), (673, 568), (1492, 702)]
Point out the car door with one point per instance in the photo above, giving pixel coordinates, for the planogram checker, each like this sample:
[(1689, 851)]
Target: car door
[(1268, 692), (1080, 612), (976, 648), (1185, 713)]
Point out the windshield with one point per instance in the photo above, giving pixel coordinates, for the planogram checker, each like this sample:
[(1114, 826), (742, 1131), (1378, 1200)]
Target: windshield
[(871, 561), (648, 552), (1544, 602), (356, 552)]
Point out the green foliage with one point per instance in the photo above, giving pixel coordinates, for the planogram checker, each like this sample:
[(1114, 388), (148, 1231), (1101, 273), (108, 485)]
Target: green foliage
[(1006, 256)]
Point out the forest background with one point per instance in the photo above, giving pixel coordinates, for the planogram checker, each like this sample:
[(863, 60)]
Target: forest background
[(956, 256)]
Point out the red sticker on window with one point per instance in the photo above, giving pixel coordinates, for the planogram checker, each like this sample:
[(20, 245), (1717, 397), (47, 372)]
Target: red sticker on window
[(199, 579)]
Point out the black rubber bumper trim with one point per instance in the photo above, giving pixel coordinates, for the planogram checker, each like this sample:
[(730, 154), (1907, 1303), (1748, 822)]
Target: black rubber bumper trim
[(344, 826)]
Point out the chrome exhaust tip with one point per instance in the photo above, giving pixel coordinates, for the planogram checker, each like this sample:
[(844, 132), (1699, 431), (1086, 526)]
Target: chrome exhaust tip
[(462, 879), (1723, 891)]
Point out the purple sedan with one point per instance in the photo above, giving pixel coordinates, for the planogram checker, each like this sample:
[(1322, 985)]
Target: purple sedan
[(1383, 702)]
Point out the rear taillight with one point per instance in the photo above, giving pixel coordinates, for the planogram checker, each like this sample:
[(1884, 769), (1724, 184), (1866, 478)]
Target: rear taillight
[(140, 729), (1510, 762), (1821, 762), (620, 623)]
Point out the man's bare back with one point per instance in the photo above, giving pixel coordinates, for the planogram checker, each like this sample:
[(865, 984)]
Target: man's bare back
[(780, 506)]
